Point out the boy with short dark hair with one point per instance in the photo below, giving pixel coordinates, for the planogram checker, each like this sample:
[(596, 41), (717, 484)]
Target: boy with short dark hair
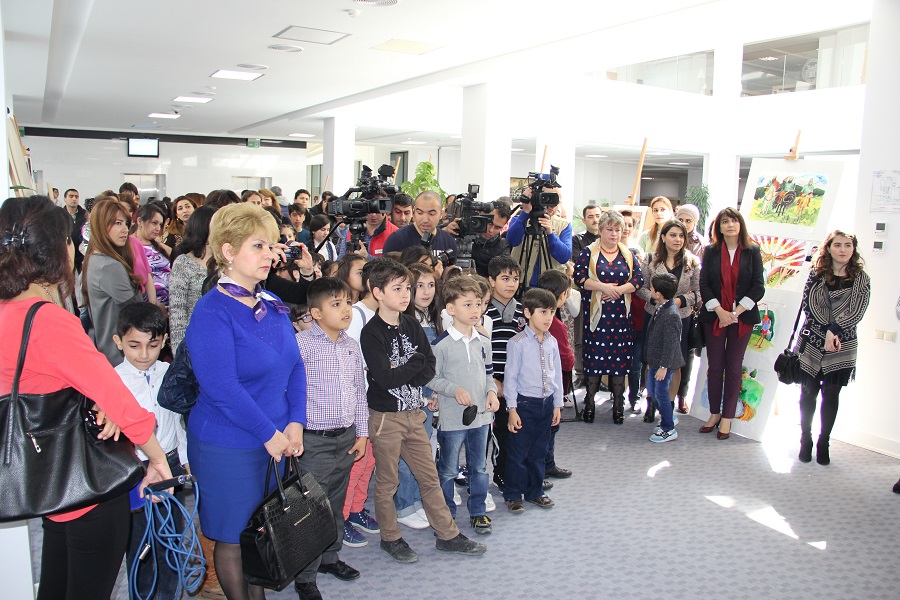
[(663, 352), (337, 417), (141, 335), (559, 284), (534, 397), (400, 361), (507, 319), (467, 397)]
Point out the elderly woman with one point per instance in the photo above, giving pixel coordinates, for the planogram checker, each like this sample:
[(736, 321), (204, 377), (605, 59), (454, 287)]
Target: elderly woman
[(834, 301), (731, 283), (660, 211), (609, 273), (672, 257), (252, 400), (689, 215), (82, 549)]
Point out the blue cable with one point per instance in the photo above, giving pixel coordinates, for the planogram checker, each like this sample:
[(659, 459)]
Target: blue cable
[(183, 552)]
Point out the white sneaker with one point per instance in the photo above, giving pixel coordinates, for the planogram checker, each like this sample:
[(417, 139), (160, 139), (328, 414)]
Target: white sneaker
[(457, 499), (413, 521), (489, 503), (422, 515)]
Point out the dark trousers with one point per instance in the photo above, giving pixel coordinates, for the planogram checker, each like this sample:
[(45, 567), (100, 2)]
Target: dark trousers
[(501, 435), (527, 449), (81, 558), (328, 460), (166, 577), (636, 377), (686, 374), (809, 392), (550, 459), (725, 353)]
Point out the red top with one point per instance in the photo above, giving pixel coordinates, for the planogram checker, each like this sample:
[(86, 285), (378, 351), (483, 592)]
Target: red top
[(61, 355), (637, 313), (566, 355)]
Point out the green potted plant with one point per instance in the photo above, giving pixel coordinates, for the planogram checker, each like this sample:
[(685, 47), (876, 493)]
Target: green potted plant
[(424, 180), (698, 195)]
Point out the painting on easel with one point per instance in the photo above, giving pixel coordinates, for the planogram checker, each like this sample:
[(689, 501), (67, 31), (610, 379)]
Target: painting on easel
[(791, 198), (784, 261)]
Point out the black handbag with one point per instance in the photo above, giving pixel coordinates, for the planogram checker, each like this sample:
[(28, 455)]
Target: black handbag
[(787, 365), (696, 337), (290, 528), (52, 459), (179, 389)]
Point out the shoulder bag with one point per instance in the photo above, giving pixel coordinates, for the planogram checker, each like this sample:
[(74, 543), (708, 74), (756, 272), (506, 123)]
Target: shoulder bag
[(290, 528), (52, 459), (696, 337), (179, 389), (787, 365)]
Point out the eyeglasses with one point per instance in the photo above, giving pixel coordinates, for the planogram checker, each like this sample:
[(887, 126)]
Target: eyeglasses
[(305, 317)]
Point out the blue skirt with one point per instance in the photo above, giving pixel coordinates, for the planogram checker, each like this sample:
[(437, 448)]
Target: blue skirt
[(231, 484)]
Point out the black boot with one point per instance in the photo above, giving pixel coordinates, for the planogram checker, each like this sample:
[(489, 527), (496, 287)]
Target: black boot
[(589, 410), (822, 456), (617, 387), (808, 392), (650, 413), (806, 445)]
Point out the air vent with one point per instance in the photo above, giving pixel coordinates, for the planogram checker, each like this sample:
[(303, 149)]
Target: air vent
[(285, 48), (308, 34), (205, 94), (252, 67), (377, 2)]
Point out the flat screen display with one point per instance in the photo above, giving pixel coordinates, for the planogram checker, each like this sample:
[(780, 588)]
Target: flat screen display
[(143, 147)]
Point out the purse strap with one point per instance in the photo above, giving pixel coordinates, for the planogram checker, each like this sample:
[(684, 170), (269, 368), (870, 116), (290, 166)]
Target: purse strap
[(293, 465), (796, 322), (14, 393)]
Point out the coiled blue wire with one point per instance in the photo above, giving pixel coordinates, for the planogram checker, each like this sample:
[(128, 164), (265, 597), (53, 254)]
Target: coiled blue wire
[(183, 552)]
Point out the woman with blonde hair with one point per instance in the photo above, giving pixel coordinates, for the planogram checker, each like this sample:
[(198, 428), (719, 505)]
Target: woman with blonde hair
[(835, 300), (252, 400), (660, 211), (108, 279)]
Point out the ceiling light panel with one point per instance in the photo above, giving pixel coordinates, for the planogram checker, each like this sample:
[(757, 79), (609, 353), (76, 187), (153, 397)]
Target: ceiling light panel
[(308, 34), (406, 47), (163, 115), (377, 2), (413, 143), (192, 99), (595, 156), (285, 48), (238, 75), (302, 135)]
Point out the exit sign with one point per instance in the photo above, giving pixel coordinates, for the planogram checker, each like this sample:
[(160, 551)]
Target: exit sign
[(253, 143)]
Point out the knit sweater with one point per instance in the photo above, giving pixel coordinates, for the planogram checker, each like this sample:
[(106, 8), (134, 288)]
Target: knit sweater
[(252, 379), (399, 362), (663, 345), (109, 289), (467, 365), (688, 283), (185, 289)]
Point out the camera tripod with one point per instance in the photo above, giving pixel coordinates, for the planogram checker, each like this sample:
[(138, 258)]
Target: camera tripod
[(535, 235)]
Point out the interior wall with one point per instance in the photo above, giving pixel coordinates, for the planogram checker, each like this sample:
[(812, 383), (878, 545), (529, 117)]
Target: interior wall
[(91, 166)]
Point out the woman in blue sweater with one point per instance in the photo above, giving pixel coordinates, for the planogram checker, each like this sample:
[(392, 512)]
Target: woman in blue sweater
[(252, 401)]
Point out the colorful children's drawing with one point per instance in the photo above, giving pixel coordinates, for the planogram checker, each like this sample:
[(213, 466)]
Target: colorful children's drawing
[(793, 198), (783, 258), (748, 400), (764, 331)]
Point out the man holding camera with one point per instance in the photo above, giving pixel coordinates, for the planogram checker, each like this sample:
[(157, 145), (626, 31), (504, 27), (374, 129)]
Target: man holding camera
[(558, 235), (490, 243), (423, 230), (379, 229)]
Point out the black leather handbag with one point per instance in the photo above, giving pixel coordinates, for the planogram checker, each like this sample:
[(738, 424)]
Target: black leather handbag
[(787, 365), (52, 459), (179, 389), (696, 337), (290, 528)]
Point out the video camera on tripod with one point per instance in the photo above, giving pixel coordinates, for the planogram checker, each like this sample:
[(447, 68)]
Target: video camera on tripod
[(467, 210), (540, 199), (374, 195)]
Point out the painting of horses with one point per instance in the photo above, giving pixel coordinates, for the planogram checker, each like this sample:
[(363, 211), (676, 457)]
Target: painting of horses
[(790, 198)]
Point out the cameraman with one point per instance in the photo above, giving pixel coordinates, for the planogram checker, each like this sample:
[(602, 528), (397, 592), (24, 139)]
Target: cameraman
[(401, 213), (378, 230), (425, 217), (490, 243), (559, 239)]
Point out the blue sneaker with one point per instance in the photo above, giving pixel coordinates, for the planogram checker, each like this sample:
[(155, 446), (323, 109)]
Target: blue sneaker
[(352, 537), (364, 521), (663, 436)]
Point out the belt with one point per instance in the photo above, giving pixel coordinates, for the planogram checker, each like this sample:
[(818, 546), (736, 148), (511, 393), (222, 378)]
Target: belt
[(327, 432)]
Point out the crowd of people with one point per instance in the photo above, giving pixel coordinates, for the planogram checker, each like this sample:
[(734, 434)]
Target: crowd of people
[(382, 359)]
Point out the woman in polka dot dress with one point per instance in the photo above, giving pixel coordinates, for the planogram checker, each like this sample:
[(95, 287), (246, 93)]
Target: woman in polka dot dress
[(609, 273)]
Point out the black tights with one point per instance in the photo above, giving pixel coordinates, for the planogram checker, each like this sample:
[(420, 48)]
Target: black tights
[(809, 392), (230, 571)]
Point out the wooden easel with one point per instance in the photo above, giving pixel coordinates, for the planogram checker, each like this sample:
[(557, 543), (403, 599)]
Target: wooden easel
[(792, 155), (636, 189)]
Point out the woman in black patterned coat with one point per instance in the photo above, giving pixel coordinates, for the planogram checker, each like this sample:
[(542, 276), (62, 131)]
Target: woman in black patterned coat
[(834, 301)]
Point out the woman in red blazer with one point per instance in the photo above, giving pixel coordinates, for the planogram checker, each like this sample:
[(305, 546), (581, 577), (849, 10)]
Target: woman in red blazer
[(731, 283)]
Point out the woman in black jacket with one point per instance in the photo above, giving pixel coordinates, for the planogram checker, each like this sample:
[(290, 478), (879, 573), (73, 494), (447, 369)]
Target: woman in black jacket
[(731, 283)]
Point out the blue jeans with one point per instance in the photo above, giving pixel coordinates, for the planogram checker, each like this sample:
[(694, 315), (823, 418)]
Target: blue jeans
[(526, 450), (475, 441), (407, 499), (659, 391)]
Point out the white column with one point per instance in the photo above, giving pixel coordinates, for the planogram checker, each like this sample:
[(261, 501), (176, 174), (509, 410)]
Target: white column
[(339, 153), (560, 153), (870, 421), (485, 153)]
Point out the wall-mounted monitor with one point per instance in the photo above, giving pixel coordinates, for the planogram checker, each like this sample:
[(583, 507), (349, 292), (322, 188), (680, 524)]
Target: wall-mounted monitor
[(143, 147)]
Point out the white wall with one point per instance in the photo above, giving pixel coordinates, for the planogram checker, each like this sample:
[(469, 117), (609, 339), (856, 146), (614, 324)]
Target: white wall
[(91, 166)]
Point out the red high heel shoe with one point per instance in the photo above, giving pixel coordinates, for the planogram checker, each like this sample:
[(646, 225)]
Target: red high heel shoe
[(708, 428)]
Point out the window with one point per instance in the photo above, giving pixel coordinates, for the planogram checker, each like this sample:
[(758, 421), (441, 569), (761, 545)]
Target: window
[(686, 73)]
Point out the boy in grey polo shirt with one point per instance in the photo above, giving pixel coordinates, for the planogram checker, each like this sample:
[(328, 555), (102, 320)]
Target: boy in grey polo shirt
[(467, 395)]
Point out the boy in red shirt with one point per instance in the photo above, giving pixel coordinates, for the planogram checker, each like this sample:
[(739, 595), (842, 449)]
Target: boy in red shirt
[(558, 283)]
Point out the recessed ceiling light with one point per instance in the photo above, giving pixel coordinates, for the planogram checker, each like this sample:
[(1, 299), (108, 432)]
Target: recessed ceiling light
[(253, 67), (163, 115), (768, 58), (285, 48), (413, 143), (239, 75), (204, 94), (377, 2), (192, 99), (517, 149), (646, 178), (595, 156), (308, 34), (679, 163), (302, 135)]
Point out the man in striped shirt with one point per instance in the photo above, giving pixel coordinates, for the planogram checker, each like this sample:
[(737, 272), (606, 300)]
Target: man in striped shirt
[(337, 415)]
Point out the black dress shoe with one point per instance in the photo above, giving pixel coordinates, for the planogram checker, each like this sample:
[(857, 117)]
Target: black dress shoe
[(558, 473), (542, 501), (547, 485), (308, 591), (340, 569)]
